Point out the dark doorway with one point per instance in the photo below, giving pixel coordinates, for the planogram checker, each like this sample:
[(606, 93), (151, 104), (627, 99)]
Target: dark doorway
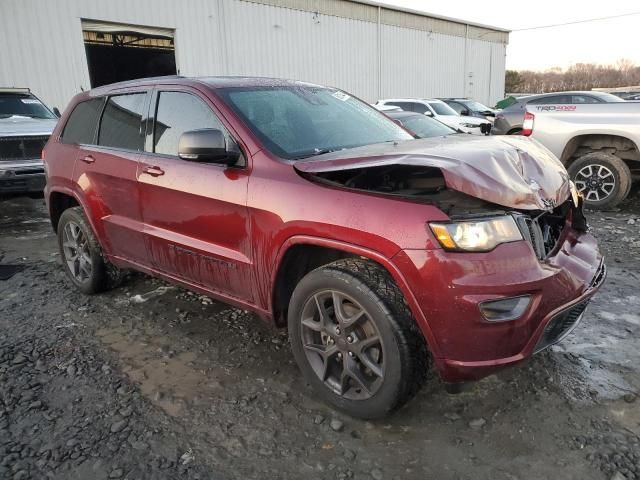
[(117, 56)]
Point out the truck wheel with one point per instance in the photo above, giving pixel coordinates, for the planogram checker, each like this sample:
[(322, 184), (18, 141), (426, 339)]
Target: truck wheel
[(355, 340), (82, 256), (603, 179)]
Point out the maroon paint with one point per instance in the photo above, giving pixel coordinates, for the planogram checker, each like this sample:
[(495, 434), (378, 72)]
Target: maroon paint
[(152, 213)]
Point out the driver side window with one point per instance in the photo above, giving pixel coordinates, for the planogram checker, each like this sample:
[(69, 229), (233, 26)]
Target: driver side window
[(176, 113)]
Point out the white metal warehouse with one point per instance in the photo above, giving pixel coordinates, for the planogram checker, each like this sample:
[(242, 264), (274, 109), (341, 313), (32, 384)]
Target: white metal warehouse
[(58, 48)]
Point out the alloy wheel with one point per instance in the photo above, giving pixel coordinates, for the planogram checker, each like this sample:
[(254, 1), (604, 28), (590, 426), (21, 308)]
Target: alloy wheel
[(343, 345), (595, 182), (75, 247)]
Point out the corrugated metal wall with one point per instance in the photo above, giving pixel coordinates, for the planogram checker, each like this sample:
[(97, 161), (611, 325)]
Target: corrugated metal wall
[(42, 46)]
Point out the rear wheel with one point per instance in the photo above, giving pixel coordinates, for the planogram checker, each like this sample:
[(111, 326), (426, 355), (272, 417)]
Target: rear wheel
[(82, 256), (355, 339), (603, 179)]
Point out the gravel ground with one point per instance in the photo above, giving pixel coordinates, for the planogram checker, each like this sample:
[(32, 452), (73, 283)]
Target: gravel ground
[(152, 381)]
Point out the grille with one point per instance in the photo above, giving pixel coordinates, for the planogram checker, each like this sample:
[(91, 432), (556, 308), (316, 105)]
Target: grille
[(561, 325), (532, 233), (22, 148)]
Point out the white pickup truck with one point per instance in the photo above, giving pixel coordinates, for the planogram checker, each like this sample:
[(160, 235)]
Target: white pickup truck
[(598, 143)]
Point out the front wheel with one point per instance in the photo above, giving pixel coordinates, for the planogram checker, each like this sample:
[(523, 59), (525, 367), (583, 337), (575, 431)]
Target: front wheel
[(355, 339), (603, 179)]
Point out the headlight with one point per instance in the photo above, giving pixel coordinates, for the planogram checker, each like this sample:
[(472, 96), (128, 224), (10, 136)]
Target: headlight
[(469, 125), (476, 236)]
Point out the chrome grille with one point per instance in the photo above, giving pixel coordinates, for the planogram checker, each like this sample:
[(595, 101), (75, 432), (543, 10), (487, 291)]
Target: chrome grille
[(22, 148)]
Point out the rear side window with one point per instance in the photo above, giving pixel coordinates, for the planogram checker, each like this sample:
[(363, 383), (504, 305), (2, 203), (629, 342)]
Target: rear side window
[(121, 124), (584, 99), (459, 108), (419, 108), (553, 100), (82, 123), (177, 113)]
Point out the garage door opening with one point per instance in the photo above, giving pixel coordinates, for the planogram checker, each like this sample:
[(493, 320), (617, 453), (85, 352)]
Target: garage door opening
[(125, 52)]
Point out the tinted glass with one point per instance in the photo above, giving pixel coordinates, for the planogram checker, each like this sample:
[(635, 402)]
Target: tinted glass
[(419, 108), (82, 123), (583, 99), (442, 108), (177, 113), (22, 105), (406, 106), (300, 121), (121, 124), (552, 100), (457, 107), (426, 127)]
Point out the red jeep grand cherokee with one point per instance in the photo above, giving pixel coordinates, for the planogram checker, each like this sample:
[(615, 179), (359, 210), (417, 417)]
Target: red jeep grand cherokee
[(382, 253)]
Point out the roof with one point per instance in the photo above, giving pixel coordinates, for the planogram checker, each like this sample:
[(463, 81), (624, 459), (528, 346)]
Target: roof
[(422, 13), (214, 82), (409, 100)]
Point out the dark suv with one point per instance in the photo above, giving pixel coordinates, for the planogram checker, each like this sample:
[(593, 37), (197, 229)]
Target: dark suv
[(383, 254)]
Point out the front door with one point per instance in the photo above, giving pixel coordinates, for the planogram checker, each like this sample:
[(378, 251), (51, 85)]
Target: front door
[(195, 214)]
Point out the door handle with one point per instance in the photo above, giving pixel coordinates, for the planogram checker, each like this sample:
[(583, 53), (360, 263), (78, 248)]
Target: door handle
[(153, 171), (88, 159)]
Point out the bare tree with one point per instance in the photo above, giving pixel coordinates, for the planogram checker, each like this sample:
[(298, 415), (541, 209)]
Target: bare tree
[(580, 76)]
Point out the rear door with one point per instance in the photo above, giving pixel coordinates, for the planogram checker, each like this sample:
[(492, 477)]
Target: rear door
[(195, 214), (106, 170)]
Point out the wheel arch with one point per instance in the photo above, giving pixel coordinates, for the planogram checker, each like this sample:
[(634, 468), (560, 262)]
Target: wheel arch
[(593, 142), (284, 279)]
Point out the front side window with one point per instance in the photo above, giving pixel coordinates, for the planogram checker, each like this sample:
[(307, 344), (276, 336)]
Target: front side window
[(179, 112), (426, 127), (82, 123), (22, 105), (121, 124), (442, 108), (296, 121), (458, 107), (583, 99)]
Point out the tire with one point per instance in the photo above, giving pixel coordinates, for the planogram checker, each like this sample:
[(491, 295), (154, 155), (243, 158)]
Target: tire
[(400, 357), (93, 273), (591, 168)]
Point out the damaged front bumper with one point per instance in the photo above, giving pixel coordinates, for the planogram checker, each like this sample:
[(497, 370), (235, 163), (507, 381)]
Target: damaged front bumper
[(465, 345)]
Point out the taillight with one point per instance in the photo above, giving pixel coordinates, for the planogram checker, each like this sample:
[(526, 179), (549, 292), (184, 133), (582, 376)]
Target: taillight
[(527, 125)]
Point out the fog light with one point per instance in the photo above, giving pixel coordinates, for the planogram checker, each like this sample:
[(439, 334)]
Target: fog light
[(505, 309)]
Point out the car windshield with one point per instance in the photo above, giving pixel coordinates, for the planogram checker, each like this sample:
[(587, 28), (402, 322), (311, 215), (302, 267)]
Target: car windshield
[(425, 127), (295, 122), (22, 105), (442, 108), (475, 106)]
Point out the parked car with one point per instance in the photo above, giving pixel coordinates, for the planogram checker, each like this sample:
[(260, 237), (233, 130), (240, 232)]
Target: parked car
[(440, 111), (387, 108), (470, 108), (25, 126), (420, 125), (598, 143), (509, 120), (383, 254)]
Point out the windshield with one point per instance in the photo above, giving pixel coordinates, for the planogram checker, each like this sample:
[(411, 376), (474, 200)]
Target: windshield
[(442, 108), (425, 127), (300, 121), (22, 105), (474, 106)]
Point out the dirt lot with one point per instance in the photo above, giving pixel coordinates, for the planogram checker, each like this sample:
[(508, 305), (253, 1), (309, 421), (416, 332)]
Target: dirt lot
[(151, 381)]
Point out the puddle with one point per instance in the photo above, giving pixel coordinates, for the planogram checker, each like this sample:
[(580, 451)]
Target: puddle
[(168, 380), (141, 298)]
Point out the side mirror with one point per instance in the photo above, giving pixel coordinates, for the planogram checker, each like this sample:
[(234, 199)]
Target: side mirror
[(465, 113), (429, 113), (56, 112), (206, 145)]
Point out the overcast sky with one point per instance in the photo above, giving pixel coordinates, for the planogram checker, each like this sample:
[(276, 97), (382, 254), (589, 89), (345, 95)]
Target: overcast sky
[(594, 42)]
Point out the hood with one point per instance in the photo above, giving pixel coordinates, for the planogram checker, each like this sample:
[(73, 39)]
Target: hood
[(511, 171), (15, 126)]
